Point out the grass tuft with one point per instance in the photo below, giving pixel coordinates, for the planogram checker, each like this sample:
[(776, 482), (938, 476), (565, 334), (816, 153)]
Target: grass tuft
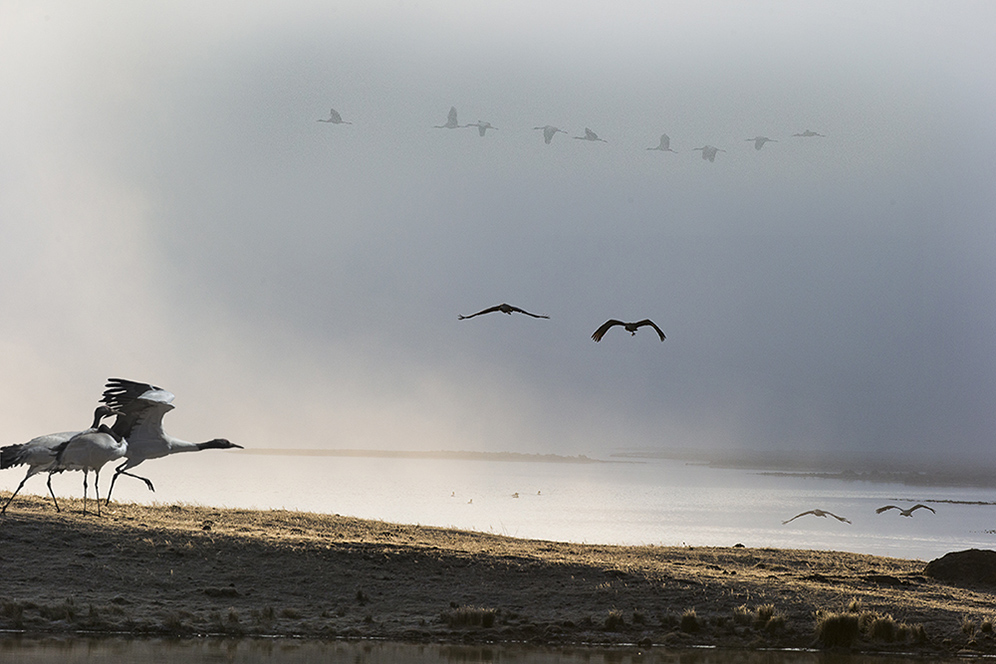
[(689, 622), (614, 621), (469, 616), (883, 628), (837, 630)]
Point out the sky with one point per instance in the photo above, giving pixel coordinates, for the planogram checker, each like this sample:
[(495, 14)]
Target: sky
[(172, 212)]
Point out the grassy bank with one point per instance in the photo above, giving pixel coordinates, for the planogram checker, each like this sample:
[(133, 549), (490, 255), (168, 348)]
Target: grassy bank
[(187, 570)]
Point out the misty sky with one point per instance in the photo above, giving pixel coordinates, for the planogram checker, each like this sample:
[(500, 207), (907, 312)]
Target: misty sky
[(172, 212)]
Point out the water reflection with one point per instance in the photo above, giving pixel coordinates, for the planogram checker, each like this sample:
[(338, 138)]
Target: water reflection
[(292, 651)]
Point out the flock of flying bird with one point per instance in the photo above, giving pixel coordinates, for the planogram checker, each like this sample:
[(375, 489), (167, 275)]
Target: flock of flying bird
[(137, 435), (549, 131), (597, 335), (884, 508)]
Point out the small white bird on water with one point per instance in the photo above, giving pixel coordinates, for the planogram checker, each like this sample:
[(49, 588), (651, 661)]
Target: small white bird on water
[(39, 454), (141, 424), (451, 120), (90, 450), (335, 118), (629, 327), (906, 512), (549, 131), (818, 512)]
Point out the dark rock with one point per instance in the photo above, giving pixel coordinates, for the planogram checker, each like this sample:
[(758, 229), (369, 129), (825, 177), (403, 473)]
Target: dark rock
[(971, 567)]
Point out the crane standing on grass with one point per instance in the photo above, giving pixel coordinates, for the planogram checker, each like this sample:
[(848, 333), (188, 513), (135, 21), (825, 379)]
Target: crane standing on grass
[(90, 450), (39, 454)]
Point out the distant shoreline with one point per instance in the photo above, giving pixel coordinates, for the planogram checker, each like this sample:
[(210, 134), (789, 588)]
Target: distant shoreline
[(821, 466), (433, 454)]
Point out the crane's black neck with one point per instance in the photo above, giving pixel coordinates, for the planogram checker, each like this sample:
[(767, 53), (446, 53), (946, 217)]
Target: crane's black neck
[(216, 444)]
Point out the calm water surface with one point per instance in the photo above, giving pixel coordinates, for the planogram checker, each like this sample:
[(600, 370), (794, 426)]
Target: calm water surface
[(289, 651), (656, 502)]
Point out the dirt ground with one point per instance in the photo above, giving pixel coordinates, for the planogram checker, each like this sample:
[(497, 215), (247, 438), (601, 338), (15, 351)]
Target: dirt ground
[(189, 570)]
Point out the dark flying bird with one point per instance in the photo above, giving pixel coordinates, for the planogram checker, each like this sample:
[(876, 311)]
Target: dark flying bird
[(759, 141), (90, 450), (549, 132), (451, 120), (505, 309), (335, 118), (482, 127), (630, 327), (809, 134), (39, 454), (903, 512), (589, 135), (822, 513), (709, 152), (143, 406), (665, 145)]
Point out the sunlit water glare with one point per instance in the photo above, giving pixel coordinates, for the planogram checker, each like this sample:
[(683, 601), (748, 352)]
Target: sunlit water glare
[(655, 502)]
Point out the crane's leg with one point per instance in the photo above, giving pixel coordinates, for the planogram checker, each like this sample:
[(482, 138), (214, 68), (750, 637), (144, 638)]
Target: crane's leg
[(121, 471), (96, 488), (4, 510), (84, 491), (53, 493)]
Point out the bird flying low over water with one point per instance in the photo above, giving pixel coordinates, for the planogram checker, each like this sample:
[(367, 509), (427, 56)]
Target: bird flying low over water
[(907, 512), (589, 135), (709, 152), (630, 327), (549, 132), (482, 127), (759, 141), (822, 513), (39, 454), (809, 134), (141, 424), (665, 144), (505, 309), (335, 118), (451, 120)]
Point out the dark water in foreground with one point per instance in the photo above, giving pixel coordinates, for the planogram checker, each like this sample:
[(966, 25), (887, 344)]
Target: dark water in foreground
[(292, 651)]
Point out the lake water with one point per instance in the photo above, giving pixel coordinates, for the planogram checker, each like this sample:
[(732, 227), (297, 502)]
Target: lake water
[(660, 502), (292, 651)]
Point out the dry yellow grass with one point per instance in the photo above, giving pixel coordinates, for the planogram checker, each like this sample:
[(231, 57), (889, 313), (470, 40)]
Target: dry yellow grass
[(185, 570)]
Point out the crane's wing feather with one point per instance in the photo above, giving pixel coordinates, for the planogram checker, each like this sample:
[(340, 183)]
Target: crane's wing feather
[(600, 332), (523, 311), (798, 515), (142, 406), (647, 321), (489, 310)]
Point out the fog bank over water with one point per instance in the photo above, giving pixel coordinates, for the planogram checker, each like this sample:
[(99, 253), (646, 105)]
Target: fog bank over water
[(173, 212)]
